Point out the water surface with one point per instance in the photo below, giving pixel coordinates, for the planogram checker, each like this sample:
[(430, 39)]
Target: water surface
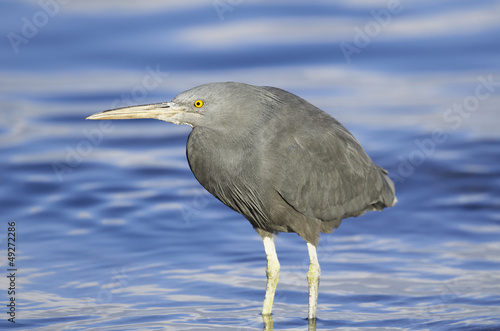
[(115, 233)]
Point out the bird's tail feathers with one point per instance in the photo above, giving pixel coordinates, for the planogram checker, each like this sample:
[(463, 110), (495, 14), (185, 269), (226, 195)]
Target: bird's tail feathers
[(388, 193)]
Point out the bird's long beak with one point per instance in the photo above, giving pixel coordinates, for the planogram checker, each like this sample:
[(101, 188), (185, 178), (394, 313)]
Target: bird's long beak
[(160, 111)]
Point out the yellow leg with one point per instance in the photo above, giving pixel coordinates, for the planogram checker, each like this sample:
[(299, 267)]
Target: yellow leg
[(313, 279), (272, 271)]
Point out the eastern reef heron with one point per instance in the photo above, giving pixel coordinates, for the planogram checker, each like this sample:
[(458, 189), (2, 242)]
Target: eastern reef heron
[(281, 162)]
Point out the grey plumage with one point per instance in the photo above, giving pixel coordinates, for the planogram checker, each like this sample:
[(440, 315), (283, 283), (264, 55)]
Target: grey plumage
[(281, 162), (296, 169)]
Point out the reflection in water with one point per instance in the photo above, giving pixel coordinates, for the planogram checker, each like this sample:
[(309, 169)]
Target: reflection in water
[(311, 325), (269, 324)]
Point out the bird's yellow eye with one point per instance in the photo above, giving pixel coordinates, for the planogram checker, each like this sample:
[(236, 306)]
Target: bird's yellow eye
[(198, 103)]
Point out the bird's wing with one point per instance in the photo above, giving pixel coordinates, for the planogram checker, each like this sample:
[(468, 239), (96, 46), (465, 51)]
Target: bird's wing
[(329, 176)]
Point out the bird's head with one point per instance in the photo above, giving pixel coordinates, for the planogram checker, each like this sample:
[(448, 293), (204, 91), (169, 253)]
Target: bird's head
[(214, 105)]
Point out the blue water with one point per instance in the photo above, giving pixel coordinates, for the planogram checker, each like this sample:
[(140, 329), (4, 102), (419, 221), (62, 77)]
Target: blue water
[(113, 232)]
